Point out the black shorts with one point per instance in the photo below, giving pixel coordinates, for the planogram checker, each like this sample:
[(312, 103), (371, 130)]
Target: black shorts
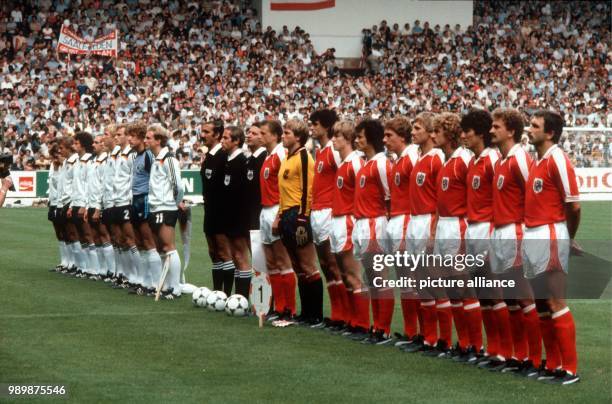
[(122, 214), (51, 214), (167, 217), (75, 215), (106, 216), (213, 221), (90, 213), (140, 208), (288, 225), (184, 215), (61, 215)]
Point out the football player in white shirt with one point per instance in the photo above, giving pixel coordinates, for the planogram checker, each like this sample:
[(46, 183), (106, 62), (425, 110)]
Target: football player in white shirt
[(63, 204), (101, 236), (129, 256), (165, 200)]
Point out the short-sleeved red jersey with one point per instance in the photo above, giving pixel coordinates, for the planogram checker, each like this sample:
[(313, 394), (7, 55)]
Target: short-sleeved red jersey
[(423, 182), (268, 176), (344, 192), (452, 185), (372, 187), (326, 163), (509, 187), (400, 180), (552, 183), (480, 186)]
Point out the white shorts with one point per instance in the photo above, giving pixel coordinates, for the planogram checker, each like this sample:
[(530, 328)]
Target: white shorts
[(418, 233), (478, 238), (545, 248), (266, 219), (397, 228), (320, 221), (506, 248), (450, 236), (369, 236), (341, 233)]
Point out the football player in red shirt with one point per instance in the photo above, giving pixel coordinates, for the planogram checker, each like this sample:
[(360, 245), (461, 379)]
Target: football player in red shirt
[(342, 223), (278, 263), (397, 140), (519, 311), (326, 163), (371, 197), (423, 218), (450, 239), (552, 216), (476, 136)]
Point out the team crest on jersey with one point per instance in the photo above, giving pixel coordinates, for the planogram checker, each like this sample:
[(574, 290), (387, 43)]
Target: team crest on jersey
[(250, 175), (397, 179), (500, 182), (340, 182), (208, 173), (227, 180), (286, 174), (538, 185), (362, 181), (476, 182), (444, 183), (320, 167), (266, 172), (420, 179)]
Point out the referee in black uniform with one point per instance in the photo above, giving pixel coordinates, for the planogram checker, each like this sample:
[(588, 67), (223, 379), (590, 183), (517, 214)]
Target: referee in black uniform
[(255, 159), (212, 180), (235, 214)]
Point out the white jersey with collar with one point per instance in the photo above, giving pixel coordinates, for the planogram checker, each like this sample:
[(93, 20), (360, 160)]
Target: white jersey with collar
[(165, 185), (95, 181), (53, 181), (122, 183), (79, 184), (109, 179), (67, 175)]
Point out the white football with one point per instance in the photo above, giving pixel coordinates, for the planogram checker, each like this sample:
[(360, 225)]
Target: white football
[(195, 297), (237, 306), (204, 292), (216, 300)]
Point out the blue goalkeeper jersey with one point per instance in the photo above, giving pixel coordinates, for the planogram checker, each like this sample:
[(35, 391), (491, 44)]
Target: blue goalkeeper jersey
[(142, 172)]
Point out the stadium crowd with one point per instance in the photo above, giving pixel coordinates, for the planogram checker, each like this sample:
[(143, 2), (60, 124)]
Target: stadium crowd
[(185, 63)]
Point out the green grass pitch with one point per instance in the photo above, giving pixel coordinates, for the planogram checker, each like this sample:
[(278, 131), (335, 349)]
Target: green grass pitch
[(105, 345)]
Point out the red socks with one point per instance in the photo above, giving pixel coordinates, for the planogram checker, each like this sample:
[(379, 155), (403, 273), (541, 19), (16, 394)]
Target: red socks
[(460, 323), (565, 333), (337, 314), (445, 320), (385, 305), (519, 337), (361, 302), (410, 308), (473, 319), (430, 321), (534, 336), (502, 319), (277, 291), (553, 354), (288, 283), (490, 325)]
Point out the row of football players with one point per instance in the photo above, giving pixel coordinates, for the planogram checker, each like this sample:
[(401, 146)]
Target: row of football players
[(452, 181), (114, 201)]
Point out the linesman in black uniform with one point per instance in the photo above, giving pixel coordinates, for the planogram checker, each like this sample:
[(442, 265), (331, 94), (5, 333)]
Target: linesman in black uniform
[(255, 159), (235, 216), (212, 181)]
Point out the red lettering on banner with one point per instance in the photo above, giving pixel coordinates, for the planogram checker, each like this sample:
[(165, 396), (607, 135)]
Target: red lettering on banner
[(26, 184), (605, 180)]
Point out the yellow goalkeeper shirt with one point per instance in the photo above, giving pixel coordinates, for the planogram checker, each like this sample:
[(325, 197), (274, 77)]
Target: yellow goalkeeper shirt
[(295, 181)]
